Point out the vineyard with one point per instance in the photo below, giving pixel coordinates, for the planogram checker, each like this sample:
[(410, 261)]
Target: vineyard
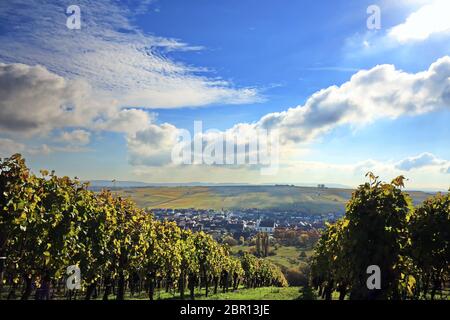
[(381, 227), (48, 223)]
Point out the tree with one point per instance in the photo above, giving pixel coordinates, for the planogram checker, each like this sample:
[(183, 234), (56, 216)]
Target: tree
[(262, 244), (230, 241)]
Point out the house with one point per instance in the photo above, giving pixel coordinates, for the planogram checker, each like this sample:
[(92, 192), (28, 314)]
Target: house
[(249, 225), (267, 226)]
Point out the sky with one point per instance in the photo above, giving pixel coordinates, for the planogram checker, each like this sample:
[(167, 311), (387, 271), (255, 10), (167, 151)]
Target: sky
[(346, 86)]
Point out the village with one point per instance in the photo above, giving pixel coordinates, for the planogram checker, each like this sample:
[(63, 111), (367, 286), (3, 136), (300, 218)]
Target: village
[(245, 222)]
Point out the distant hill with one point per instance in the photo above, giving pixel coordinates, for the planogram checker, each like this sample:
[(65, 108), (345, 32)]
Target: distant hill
[(140, 184), (117, 184), (309, 200), (99, 184)]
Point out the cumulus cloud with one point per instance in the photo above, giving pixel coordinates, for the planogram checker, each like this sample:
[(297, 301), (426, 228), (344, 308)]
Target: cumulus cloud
[(112, 54), (34, 100), (425, 159), (430, 19), (382, 92), (153, 145), (127, 120)]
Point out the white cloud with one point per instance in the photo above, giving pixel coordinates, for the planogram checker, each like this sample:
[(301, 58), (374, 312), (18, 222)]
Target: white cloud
[(148, 143), (152, 146), (382, 92), (76, 137), (126, 120), (111, 54), (422, 160), (379, 93), (430, 19)]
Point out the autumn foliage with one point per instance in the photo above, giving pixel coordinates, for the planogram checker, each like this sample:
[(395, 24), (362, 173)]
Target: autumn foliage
[(382, 227), (48, 223)]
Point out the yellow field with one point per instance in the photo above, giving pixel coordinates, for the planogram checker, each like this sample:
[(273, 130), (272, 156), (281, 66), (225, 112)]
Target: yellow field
[(305, 199), (172, 197)]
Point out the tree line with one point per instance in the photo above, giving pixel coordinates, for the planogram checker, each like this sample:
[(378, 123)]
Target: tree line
[(48, 223), (382, 227)]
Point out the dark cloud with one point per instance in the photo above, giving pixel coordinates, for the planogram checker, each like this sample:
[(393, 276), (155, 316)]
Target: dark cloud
[(33, 100)]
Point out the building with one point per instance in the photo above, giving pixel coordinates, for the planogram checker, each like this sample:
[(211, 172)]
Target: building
[(267, 226)]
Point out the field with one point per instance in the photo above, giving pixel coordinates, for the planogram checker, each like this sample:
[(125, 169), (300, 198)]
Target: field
[(309, 200), (285, 256)]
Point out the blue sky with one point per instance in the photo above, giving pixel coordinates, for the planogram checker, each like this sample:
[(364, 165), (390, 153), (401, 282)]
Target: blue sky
[(107, 100)]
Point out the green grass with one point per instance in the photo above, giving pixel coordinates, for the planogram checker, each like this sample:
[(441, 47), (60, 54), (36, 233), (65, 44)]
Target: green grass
[(243, 248), (286, 256), (266, 293)]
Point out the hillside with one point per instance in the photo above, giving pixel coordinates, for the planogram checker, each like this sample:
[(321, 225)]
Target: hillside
[(305, 199)]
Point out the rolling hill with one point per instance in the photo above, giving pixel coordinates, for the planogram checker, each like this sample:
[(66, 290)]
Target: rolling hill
[(305, 199)]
